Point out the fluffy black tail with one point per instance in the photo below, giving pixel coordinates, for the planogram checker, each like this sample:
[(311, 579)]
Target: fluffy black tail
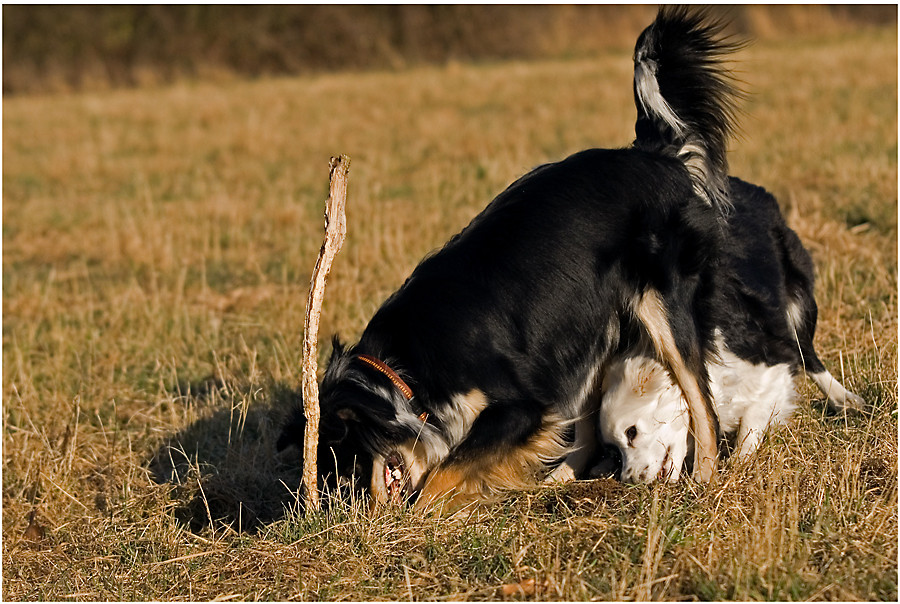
[(686, 99)]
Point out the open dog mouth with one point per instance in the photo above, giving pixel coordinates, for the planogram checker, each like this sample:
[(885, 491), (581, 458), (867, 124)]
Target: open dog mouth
[(396, 478)]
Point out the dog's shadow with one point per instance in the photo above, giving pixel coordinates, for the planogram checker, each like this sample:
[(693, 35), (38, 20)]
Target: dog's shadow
[(224, 466)]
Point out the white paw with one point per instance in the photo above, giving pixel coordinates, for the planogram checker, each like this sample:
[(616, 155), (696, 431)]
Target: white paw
[(562, 474), (847, 401)]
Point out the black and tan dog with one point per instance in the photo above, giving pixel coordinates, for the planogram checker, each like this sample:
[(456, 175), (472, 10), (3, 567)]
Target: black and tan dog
[(466, 380)]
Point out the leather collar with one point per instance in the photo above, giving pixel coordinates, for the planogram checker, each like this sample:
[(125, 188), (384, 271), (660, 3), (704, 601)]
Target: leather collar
[(381, 366)]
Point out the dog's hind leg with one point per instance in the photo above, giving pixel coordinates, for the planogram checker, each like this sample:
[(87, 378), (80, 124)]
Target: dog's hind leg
[(801, 317), (690, 375), (839, 398), (507, 448)]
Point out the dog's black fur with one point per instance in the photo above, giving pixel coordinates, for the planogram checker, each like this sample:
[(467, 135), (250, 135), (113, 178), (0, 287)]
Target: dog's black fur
[(765, 315), (766, 304), (501, 335), (765, 270)]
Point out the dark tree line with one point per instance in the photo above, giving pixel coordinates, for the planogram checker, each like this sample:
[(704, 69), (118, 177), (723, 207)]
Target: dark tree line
[(74, 47)]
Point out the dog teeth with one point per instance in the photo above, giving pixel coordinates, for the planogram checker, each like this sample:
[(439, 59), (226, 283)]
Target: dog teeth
[(397, 474)]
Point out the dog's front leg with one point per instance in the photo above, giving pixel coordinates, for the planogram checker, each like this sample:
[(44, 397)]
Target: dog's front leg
[(688, 372), (507, 448)]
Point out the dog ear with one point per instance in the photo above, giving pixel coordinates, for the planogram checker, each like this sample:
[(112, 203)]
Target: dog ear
[(331, 432), (337, 348)]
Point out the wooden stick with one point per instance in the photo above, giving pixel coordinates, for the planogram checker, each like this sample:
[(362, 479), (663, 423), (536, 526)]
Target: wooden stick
[(335, 231)]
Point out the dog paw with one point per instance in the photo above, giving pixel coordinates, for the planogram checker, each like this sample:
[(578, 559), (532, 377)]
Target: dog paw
[(704, 469), (562, 474), (847, 402), (854, 402)]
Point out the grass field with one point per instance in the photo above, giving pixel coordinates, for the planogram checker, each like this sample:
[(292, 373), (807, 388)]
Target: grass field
[(157, 246)]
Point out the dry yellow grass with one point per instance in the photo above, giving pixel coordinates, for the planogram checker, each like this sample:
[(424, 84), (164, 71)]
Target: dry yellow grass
[(156, 251)]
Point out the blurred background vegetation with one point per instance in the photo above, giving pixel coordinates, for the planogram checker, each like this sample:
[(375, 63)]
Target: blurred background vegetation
[(66, 48)]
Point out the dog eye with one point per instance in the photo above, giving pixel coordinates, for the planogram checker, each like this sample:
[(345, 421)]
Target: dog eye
[(631, 434)]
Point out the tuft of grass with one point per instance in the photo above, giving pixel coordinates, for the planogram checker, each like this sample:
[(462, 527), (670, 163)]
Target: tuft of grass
[(157, 246)]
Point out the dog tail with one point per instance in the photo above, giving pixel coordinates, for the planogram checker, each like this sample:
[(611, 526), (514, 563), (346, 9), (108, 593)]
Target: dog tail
[(686, 98)]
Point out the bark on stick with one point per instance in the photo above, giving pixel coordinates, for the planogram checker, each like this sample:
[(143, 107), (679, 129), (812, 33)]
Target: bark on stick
[(335, 231)]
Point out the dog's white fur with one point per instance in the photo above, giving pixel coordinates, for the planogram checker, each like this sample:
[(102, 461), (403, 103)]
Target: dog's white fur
[(644, 414)]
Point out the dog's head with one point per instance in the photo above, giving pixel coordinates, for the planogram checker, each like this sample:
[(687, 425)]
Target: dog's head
[(645, 417), (369, 432)]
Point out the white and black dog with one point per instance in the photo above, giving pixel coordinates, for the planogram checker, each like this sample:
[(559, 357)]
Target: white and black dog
[(466, 380), (766, 320)]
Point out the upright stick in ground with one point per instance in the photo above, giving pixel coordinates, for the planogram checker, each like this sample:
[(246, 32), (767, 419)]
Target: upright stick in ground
[(335, 231)]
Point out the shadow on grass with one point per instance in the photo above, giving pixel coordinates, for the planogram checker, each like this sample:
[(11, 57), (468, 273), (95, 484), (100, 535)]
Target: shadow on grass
[(224, 465), (226, 472)]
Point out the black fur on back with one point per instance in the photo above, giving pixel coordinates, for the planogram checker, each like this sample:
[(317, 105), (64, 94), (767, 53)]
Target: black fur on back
[(527, 289), (765, 270)]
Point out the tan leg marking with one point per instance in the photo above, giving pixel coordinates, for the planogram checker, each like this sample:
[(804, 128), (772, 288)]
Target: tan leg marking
[(456, 484), (650, 309), (442, 487)]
